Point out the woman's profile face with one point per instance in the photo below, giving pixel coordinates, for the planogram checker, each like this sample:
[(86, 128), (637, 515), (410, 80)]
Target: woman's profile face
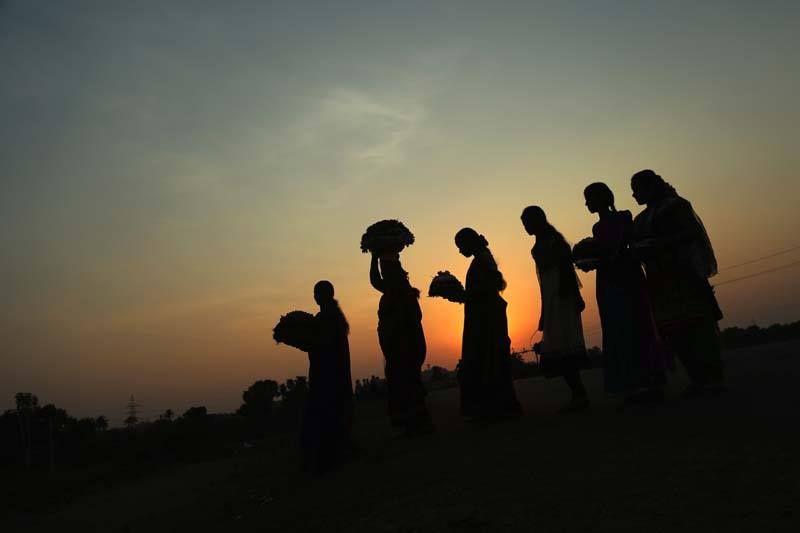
[(592, 204), (323, 293), (528, 225), (318, 297), (534, 224), (464, 247)]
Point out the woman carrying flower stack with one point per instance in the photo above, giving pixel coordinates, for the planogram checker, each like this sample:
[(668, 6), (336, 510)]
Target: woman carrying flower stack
[(400, 332), (635, 358), (487, 388), (328, 414)]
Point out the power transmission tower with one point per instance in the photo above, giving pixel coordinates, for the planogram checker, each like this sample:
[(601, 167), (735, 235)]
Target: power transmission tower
[(131, 410)]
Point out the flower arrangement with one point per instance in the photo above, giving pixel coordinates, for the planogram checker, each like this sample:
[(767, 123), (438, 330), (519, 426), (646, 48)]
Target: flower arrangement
[(586, 254), (386, 236), (296, 329), (445, 285), (588, 248)]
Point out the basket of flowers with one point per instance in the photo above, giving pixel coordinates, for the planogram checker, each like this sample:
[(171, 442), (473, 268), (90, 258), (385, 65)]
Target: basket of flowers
[(586, 254), (295, 329), (386, 237), (445, 285)]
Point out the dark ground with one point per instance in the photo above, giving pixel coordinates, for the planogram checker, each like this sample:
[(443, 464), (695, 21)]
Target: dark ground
[(714, 464)]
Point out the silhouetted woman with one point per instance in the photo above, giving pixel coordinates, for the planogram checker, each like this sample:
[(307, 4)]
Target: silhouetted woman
[(678, 257), (402, 340), (484, 372), (635, 358), (562, 349), (329, 409)]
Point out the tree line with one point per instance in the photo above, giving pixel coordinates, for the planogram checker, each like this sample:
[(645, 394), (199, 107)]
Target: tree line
[(45, 437)]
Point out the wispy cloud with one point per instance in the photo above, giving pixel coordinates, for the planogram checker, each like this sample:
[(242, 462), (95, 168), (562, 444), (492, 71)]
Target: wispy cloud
[(357, 127)]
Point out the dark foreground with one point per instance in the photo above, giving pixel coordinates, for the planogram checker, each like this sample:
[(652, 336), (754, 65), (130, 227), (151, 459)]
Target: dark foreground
[(715, 464)]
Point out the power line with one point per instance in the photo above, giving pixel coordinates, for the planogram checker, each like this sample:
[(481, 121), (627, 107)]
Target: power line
[(742, 278), (759, 259), (757, 274), (735, 280)]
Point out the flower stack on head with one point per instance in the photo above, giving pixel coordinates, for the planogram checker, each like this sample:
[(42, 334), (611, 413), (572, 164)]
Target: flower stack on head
[(445, 285), (296, 329), (386, 238)]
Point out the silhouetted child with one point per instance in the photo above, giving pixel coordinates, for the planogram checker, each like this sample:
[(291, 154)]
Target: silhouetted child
[(635, 358), (402, 341), (328, 414), (484, 372), (562, 350)]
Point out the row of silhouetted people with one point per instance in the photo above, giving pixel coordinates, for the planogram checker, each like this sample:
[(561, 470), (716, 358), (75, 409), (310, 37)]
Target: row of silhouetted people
[(653, 296)]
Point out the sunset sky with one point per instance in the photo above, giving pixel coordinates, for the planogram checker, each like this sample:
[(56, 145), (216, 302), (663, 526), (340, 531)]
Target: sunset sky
[(175, 175)]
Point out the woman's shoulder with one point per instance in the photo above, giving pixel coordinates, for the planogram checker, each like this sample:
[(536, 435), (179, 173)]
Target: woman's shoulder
[(484, 259), (543, 242), (673, 203), (328, 317), (546, 239), (616, 217), (643, 215), (674, 209)]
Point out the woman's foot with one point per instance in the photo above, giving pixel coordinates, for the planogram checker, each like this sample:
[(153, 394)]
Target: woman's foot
[(576, 405)]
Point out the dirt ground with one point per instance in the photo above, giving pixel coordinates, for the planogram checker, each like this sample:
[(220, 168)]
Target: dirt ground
[(714, 464)]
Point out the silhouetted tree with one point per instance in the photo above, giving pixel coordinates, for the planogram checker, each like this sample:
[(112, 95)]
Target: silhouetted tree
[(195, 413), (258, 399), (167, 415), (294, 398), (26, 404), (101, 423), (58, 417), (85, 428), (736, 337)]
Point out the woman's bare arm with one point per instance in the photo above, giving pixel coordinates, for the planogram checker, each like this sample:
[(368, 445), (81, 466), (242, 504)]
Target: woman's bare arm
[(375, 274)]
